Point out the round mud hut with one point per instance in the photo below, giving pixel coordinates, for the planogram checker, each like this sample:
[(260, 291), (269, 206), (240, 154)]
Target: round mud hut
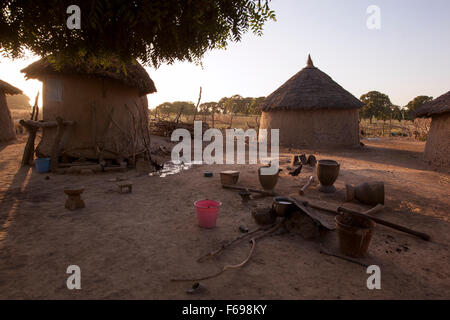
[(108, 107), (437, 148), (312, 110), (6, 123)]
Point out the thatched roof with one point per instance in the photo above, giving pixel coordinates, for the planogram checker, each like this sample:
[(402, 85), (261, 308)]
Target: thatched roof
[(437, 106), (135, 75), (310, 89), (6, 88)]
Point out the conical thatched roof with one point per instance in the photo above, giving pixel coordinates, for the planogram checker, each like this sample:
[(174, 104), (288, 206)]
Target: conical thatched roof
[(310, 89), (437, 106), (6, 88), (135, 75)]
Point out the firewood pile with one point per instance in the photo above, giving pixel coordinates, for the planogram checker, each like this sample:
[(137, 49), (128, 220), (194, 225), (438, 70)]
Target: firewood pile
[(165, 128)]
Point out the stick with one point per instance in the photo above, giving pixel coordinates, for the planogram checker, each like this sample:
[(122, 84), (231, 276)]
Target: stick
[(324, 251), (229, 243), (44, 124), (421, 235), (56, 145), (367, 213), (240, 265), (225, 268), (307, 184), (198, 103), (28, 152), (267, 193)]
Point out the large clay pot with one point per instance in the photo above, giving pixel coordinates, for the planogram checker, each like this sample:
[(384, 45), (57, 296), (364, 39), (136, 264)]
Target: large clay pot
[(268, 182), (327, 173), (371, 193)]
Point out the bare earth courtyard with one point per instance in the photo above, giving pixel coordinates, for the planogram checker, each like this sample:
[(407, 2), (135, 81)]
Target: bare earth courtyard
[(129, 246)]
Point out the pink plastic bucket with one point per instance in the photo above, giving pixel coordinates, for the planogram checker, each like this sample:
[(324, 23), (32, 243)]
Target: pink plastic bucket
[(207, 211)]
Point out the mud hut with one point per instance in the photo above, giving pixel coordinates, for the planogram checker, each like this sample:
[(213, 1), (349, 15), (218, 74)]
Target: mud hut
[(437, 148), (312, 110), (6, 124), (108, 106)]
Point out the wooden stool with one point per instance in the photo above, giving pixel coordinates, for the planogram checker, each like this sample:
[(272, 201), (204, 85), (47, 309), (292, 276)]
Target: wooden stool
[(125, 186), (74, 200)]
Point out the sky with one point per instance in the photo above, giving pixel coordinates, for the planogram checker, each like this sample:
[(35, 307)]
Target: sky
[(408, 56)]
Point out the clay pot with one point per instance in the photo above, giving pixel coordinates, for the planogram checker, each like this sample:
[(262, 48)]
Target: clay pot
[(282, 206), (371, 193), (268, 182), (327, 173)]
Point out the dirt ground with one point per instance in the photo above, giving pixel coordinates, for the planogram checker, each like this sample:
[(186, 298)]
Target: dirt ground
[(129, 246)]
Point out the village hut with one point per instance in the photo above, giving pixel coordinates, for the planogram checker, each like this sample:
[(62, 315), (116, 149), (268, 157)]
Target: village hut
[(108, 106), (312, 110), (437, 148), (6, 123)]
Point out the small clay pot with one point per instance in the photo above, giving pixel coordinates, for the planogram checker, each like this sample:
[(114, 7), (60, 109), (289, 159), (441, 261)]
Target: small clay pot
[(282, 207), (371, 193), (268, 182), (327, 173)]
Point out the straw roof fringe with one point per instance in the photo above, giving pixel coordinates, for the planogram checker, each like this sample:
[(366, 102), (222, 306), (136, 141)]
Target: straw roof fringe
[(437, 106), (310, 89), (135, 76), (6, 88)]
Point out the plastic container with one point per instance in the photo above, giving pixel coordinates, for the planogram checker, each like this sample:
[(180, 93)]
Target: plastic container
[(207, 211), (355, 234), (42, 165)]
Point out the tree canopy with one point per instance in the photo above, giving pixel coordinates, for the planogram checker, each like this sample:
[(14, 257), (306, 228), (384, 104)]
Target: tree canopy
[(187, 107), (154, 32), (415, 104), (235, 104), (376, 104)]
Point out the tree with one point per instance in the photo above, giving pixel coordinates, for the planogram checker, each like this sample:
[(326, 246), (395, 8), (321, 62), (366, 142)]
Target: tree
[(175, 107), (415, 104), (254, 106), (376, 104), (154, 32), (396, 113)]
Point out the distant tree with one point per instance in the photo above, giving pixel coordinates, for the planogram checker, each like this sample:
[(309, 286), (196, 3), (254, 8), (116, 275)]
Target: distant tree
[(175, 107), (154, 32), (376, 104), (19, 101), (415, 104), (254, 106), (208, 107), (396, 113)]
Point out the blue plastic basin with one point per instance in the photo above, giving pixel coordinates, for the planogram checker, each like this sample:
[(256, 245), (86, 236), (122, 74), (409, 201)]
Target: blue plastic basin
[(42, 165)]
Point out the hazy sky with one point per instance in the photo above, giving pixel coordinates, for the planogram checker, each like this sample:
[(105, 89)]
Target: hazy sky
[(408, 56)]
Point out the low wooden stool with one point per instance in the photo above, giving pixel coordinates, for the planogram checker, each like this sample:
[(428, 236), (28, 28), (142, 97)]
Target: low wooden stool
[(125, 186), (74, 200)]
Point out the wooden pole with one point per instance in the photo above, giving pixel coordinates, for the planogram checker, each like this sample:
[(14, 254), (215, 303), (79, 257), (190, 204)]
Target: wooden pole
[(28, 152), (198, 103), (54, 157)]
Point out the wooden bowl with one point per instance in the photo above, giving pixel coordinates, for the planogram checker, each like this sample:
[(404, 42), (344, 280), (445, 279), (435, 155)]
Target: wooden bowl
[(229, 177)]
